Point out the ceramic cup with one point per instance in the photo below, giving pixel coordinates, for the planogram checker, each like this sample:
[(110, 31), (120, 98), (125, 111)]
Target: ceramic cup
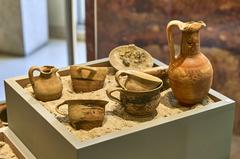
[(84, 114), (137, 103), (137, 81), (86, 78)]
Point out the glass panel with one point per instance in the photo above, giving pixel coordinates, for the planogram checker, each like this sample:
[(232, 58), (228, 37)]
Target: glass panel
[(143, 23), (37, 36)]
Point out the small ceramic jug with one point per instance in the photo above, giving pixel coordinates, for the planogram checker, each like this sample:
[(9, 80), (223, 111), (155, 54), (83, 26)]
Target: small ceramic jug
[(190, 73), (84, 114), (137, 103), (86, 78), (48, 85), (137, 81)]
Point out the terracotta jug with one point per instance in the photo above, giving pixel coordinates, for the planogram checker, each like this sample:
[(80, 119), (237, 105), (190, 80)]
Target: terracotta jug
[(190, 73), (48, 85), (137, 81)]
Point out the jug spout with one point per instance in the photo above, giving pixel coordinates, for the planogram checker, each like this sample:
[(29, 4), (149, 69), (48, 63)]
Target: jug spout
[(190, 42), (192, 26)]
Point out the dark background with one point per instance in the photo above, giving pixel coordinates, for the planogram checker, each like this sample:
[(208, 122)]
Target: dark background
[(143, 23)]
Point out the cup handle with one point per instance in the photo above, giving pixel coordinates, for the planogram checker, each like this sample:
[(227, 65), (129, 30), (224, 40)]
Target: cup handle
[(58, 110), (161, 84), (92, 70), (30, 74), (110, 96), (117, 76)]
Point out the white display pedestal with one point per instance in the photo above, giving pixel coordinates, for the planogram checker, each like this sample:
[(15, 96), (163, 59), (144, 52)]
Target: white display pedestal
[(24, 26), (203, 133)]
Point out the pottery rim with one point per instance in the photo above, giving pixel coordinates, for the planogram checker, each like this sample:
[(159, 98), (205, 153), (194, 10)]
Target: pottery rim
[(147, 91), (46, 70), (88, 102)]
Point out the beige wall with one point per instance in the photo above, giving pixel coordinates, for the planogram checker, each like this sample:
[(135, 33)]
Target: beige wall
[(56, 12), (23, 26), (56, 18)]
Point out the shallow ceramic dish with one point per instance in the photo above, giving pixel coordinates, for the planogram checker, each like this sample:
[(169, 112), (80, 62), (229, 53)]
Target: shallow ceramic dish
[(130, 57)]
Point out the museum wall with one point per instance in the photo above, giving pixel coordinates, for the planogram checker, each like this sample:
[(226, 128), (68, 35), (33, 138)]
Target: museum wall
[(143, 23)]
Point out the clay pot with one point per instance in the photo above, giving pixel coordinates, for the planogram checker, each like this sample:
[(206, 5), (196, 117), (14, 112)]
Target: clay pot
[(84, 114), (86, 78), (190, 74), (48, 85), (137, 81), (137, 103)]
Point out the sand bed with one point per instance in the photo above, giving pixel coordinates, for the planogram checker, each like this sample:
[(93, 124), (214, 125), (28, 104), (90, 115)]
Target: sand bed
[(115, 119), (6, 152)]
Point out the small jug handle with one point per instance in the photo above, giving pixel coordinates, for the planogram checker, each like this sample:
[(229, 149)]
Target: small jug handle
[(110, 96), (30, 74), (170, 39), (92, 70), (58, 110)]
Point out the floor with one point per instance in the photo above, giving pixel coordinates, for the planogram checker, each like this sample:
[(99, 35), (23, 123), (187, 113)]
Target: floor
[(53, 53), (235, 148)]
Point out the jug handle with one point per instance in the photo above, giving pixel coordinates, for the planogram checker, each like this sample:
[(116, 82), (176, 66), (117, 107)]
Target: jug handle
[(58, 110), (110, 96), (170, 39), (92, 70), (30, 74)]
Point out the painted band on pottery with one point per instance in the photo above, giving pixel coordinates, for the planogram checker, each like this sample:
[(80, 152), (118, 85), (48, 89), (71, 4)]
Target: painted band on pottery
[(137, 103)]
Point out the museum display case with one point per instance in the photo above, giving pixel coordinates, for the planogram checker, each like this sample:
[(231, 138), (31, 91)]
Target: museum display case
[(175, 127), (147, 90)]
